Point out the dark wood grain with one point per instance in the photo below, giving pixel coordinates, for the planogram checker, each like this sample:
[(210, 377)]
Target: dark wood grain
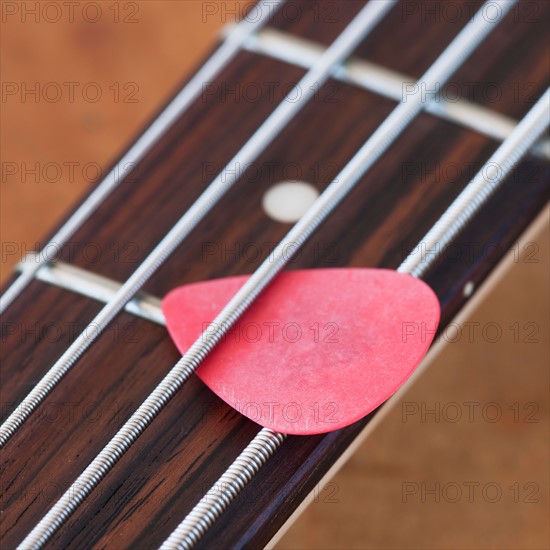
[(197, 436)]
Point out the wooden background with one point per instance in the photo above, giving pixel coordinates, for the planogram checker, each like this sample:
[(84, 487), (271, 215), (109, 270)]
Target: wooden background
[(164, 44)]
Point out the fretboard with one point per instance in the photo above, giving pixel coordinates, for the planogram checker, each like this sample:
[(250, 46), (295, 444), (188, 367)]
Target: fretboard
[(196, 436)]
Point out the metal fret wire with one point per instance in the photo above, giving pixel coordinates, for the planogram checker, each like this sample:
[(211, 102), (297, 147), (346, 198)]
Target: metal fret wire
[(453, 220), (341, 48), (387, 83), (459, 49), (231, 46)]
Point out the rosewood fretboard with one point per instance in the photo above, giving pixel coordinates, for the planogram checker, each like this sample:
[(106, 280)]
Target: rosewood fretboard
[(197, 436)]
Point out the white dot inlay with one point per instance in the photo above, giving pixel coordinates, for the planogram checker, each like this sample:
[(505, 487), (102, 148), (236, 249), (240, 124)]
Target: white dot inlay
[(469, 288), (288, 201)]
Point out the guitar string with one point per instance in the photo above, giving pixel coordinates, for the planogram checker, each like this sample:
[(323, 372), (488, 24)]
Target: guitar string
[(447, 63), (219, 59), (340, 49), (468, 203)]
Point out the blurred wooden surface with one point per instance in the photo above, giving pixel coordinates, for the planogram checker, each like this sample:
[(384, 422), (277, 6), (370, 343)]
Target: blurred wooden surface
[(166, 41)]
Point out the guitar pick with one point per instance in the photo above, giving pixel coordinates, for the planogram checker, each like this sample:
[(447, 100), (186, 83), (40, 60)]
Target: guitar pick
[(318, 350)]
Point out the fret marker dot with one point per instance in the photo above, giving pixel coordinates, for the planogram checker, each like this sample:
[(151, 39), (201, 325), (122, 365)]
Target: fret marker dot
[(468, 289), (288, 201)]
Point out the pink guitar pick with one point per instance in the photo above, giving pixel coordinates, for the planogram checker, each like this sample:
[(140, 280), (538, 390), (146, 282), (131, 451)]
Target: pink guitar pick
[(317, 351)]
